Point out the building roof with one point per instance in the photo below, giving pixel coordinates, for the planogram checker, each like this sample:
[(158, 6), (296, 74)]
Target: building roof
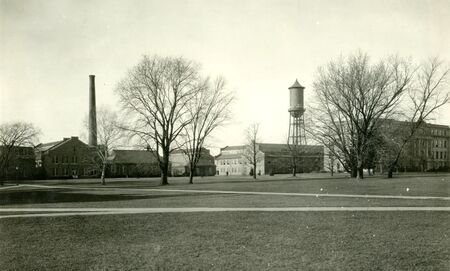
[(132, 157), (229, 148), (271, 149), (296, 85), (277, 148), (47, 146), (228, 156), (180, 151), (50, 145)]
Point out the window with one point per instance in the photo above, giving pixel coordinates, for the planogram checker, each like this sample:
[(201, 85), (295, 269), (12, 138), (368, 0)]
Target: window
[(55, 172), (56, 159)]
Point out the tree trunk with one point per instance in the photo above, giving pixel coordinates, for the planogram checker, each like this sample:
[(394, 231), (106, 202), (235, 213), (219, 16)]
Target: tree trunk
[(390, 173), (354, 172), (165, 167), (360, 173), (103, 174), (254, 172), (191, 176), (294, 166), (164, 178)]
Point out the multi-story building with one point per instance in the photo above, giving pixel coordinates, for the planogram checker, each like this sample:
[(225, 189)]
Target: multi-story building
[(429, 149), (272, 159), (68, 158), (20, 163)]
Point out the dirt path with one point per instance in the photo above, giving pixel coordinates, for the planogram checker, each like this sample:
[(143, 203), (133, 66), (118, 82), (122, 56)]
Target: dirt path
[(52, 212)]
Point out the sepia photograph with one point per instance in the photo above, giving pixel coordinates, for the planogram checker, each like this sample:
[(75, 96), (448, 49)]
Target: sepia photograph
[(224, 135)]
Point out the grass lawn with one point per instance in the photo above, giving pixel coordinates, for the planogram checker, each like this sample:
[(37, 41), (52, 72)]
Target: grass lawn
[(230, 241), (426, 185)]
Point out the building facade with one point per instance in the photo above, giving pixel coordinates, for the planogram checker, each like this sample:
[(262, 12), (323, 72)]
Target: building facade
[(68, 158), (180, 164), (272, 159), (428, 150), (133, 163)]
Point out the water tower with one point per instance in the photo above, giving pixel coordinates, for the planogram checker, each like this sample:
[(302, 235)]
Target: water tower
[(296, 120)]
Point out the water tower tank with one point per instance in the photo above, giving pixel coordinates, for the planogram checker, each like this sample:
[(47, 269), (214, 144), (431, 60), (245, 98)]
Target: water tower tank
[(296, 99)]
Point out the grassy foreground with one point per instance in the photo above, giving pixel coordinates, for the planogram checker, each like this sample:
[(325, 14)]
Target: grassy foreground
[(229, 241)]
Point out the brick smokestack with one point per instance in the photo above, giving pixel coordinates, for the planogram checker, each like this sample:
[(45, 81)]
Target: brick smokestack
[(92, 113)]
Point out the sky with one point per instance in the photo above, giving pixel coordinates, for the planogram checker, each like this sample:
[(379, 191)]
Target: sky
[(49, 48)]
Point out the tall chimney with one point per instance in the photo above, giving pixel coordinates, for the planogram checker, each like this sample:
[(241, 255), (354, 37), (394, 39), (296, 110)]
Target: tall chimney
[(92, 113)]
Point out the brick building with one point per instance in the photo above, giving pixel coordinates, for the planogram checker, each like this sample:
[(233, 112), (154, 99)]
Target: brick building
[(273, 159), (133, 163), (180, 164), (68, 158)]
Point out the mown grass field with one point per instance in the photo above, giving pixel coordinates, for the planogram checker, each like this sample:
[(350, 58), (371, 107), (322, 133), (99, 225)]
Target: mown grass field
[(351, 240)]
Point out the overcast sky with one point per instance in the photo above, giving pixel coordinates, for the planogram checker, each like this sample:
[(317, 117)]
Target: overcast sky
[(48, 49)]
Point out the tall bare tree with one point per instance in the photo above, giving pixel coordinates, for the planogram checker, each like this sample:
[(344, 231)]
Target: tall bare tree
[(156, 94), (109, 136), (355, 95), (428, 94), (13, 135), (251, 150), (208, 110)]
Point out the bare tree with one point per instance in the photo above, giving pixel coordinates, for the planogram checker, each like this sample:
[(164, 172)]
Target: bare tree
[(251, 151), (354, 95), (429, 93), (331, 130), (109, 136), (208, 110), (156, 94), (13, 135)]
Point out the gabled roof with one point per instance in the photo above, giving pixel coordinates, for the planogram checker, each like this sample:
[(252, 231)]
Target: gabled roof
[(132, 157), (47, 146), (51, 145)]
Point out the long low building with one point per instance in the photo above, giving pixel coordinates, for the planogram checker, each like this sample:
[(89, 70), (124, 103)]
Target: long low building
[(133, 163), (272, 159), (180, 164)]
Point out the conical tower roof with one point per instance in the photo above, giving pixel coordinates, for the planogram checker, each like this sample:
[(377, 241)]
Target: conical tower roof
[(296, 85)]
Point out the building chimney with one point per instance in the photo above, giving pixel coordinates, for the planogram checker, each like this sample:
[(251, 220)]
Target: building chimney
[(92, 113)]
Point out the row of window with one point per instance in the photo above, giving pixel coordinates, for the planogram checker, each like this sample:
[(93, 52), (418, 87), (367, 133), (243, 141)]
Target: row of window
[(71, 172), (230, 162), (432, 154), (431, 143), (23, 151), (64, 159), (229, 170), (439, 132), (440, 155)]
